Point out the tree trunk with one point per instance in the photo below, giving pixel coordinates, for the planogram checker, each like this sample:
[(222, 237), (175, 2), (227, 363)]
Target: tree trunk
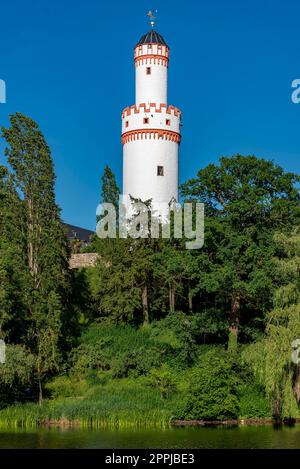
[(32, 242), (190, 296), (172, 297), (39, 372), (40, 392), (145, 305), (30, 238), (235, 308)]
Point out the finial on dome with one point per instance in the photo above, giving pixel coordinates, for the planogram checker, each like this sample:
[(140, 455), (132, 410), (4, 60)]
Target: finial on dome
[(152, 17)]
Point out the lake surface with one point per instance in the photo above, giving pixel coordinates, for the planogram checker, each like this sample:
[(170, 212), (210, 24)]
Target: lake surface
[(219, 437)]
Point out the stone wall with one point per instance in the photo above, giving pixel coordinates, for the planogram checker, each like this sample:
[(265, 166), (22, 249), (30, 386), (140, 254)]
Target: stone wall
[(88, 259)]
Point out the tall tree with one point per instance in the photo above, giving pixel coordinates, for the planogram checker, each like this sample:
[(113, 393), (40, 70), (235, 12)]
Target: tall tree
[(117, 290), (247, 199), (110, 191), (273, 359), (13, 272), (46, 254), (169, 267)]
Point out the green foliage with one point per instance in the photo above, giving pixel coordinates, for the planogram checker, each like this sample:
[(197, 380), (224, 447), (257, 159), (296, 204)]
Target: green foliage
[(270, 358), (64, 386), (176, 336), (247, 189), (232, 343), (163, 380), (210, 326), (110, 190), (42, 268), (128, 351), (119, 404), (118, 295), (123, 350), (13, 272), (253, 402), (246, 200), (16, 374), (213, 390), (154, 317)]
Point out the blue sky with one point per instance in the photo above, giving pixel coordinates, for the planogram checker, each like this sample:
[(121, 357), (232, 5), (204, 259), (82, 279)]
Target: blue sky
[(69, 65)]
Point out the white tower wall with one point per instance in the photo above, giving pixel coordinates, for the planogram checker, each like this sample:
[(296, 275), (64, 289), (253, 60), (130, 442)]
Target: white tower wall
[(151, 88), (140, 170), (151, 131)]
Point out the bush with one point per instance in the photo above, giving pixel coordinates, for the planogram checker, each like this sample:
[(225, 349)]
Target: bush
[(124, 351), (63, 386), (253, 402), (213, 389), (175, 335), (211, 326), (130, 352), (16, 375), (162, 380)]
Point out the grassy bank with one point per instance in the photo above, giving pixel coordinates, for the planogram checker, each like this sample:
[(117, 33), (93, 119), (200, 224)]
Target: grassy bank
[(121, 377), (123, 403), (118, 404)]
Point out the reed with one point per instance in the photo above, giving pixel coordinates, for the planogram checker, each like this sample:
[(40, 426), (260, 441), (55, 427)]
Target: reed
[(119, 404)]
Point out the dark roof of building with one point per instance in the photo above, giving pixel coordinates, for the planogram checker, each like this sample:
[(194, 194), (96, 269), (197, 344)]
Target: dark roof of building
[(79, 233), (152, 38)]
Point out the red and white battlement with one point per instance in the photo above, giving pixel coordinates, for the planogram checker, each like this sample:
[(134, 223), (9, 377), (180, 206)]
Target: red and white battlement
[(151, 54), (152, 107), (148, 118), (151, 129)]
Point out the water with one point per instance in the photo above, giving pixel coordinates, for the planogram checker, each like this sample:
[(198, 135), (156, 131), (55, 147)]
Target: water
[(220, 437)]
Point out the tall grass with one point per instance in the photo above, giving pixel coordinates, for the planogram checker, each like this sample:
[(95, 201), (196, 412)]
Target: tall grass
[(119, 404)]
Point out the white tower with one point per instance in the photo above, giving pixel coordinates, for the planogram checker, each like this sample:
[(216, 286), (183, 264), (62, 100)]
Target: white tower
[(151, 128)]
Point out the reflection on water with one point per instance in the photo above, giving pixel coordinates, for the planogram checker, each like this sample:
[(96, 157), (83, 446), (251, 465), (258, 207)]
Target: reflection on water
[(219, 437)]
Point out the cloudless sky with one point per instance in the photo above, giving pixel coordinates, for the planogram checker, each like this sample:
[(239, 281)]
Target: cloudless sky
[(68, 64)]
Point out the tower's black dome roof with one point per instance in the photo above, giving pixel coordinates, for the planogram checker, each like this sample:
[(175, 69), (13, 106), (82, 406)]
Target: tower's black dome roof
[(152, 38)]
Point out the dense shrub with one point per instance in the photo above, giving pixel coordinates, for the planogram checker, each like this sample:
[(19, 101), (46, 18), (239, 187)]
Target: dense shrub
[(163, 380), (63, 386), (211, 326), (176, 336), (253, 402), (123, 350), (16, 375), (213, 389), (127, 351)]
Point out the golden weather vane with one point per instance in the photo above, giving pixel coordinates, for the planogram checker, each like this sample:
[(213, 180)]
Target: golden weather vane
[(152, 17)]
